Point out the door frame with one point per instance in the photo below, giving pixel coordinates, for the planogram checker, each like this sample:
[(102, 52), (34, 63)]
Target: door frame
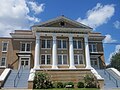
[(97, 59), (21, 60)]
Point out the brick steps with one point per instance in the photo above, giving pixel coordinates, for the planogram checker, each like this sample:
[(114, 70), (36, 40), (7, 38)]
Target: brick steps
[(67, 75)]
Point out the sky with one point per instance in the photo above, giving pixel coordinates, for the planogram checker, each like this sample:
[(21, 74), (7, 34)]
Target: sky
[(102, 15)]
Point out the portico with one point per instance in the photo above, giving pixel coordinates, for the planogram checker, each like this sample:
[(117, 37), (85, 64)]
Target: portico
[(70, 50)]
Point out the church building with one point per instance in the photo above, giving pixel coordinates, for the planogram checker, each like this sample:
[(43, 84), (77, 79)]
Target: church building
[(59, 44)]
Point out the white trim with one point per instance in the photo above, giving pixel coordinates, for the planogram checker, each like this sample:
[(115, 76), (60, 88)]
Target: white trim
[(21, 60), (58, 29), (62, 59), (6, 46), (46, 43), (62, 44), (77, 44), (5, 61), (92, 47), (46, 59), (25, 47), (79, 58)]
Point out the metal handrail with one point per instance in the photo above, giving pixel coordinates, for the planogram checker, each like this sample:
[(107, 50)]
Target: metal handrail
[(109, 75), (18, 76)]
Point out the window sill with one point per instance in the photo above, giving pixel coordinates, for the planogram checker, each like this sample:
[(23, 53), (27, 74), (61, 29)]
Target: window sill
[(25, 52), (2, 66), (4, 51)]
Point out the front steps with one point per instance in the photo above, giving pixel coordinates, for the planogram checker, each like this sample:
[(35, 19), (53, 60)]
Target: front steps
[(22, 82), (108, 83)]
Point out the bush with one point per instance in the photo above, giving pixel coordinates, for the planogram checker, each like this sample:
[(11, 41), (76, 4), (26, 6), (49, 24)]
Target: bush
[(69, 83), (89, 81), (80, 85), (59, 85), (42, 81)]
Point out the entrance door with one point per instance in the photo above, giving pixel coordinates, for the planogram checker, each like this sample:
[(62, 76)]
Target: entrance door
[(94, 63), (25, 63)]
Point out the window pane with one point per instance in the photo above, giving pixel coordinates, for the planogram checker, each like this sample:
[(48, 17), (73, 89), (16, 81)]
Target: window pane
[(74, 43), (80, 59), (22, 63), (23, 47), (94, 48), (3, 62), (90, 48), (59, 59), (26, 62), (59, 44), (64, 59), (79, 44), (64, 44), (75, 59), (48, 44), (48, 59), (28, 47), (4, 46), (43, 59), (43, 43)]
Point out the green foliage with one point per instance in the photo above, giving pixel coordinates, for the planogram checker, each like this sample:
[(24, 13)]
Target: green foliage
[(115, 61), (80, 85), (59, 85), (69, 83), (89, 81), (42, 81)]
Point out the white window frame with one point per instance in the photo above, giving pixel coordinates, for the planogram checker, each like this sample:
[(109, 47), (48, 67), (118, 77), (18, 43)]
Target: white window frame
[(92, 47), (46, 59), (46, 47), (1, 61), (20, 59), (6, 46), (62, 59), (25, 46), (77, 43), (78, 59), (61, 44)]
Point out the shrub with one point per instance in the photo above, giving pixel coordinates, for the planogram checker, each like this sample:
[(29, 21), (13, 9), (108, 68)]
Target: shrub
[(42, 81), (59, 85), (70, 83), (89, 81), (80, 85)]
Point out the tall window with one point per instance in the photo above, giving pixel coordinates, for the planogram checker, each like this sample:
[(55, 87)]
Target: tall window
[(62, 59), (25, 47), (93, 48), (62, 43), (46, 43), (77, 44), (45, 59), (3, 61), (4, 46), (78, 59)]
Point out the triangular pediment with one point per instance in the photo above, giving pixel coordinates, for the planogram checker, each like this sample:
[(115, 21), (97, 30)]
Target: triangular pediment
[(62, 21)]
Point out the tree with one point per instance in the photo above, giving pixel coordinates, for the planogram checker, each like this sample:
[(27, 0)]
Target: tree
[(115, 61)]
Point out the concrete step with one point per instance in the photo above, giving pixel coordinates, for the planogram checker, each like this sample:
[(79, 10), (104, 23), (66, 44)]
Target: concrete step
[(107, 82), (22, 82)]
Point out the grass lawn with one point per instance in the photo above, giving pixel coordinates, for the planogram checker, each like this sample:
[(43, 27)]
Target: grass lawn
[(70, 89)]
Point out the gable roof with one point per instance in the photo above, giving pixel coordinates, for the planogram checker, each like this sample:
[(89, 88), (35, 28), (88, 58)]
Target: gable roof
[(65, 19)]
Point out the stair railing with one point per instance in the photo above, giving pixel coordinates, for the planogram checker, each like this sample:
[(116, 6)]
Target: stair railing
[(109, 75), (18, 76)]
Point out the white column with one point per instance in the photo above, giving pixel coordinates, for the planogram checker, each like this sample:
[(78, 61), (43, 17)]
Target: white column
[(54, 53), (71, 53), (87, 53), (37, 52)]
